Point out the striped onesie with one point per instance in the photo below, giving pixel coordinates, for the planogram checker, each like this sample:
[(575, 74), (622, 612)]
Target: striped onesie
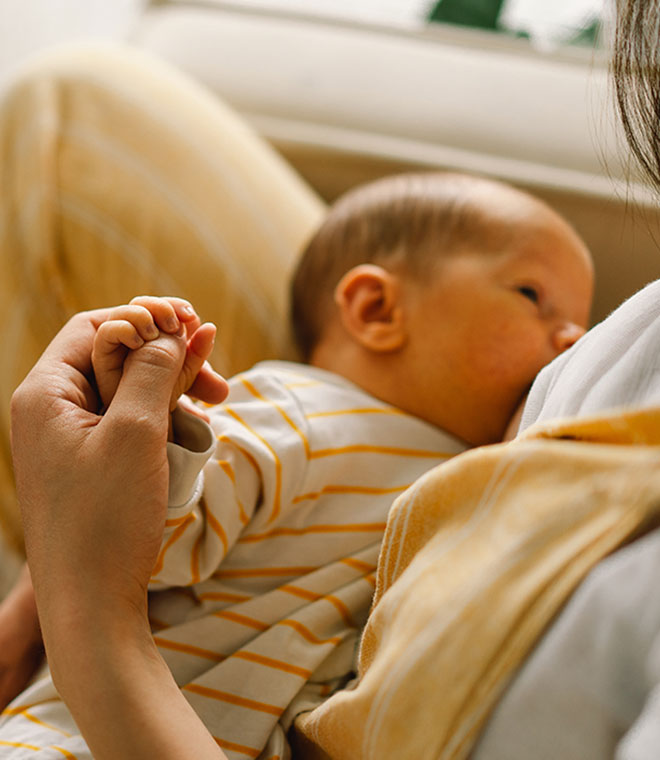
[(266, 572)]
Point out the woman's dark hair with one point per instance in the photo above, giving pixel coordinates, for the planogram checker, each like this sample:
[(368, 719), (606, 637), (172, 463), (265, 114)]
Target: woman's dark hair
[(636, 70)]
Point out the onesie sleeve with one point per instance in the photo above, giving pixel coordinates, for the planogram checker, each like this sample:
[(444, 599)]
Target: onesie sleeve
[(186, 458), (252, 458)]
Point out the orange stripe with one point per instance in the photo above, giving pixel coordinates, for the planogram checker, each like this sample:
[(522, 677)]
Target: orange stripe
[(244, 452), (358, 448), (218, 529), (265, 572), (194, 559), (371, 578), (229, 472), (368, 490), (29, 706), (234, 699), (64, 752), (177, 646), (18, 744), (364, 410), (269, 662), (303, 593), (278, 465), (40, 722), (282, 413), (358, 564), (242, 620), (222, 596), (346, 528), (249, 751), (4, 743), (311, 596), (307, 634), (172, 539), (176, 521), (228, 469), (365, 449), (342, 609)]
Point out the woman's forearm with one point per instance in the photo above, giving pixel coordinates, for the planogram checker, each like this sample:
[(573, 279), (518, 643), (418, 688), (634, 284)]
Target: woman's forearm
[(121, 693)]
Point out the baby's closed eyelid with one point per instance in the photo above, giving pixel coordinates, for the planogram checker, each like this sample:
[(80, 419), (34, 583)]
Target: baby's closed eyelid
[(531, 292)]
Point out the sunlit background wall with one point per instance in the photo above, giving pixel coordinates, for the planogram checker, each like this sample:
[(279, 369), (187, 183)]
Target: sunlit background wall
[(27, 25)]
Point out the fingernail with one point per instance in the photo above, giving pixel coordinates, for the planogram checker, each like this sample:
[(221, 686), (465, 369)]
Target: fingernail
[(188, 310), (172, 324), (152, 331)]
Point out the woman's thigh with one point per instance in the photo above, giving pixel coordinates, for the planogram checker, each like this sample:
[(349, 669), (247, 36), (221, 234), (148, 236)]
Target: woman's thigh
[(120, 176)]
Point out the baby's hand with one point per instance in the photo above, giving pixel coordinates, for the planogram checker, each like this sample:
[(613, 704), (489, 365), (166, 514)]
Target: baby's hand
[(129, 327)]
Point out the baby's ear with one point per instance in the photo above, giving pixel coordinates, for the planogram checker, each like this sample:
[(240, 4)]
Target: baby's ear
[(369, 301)]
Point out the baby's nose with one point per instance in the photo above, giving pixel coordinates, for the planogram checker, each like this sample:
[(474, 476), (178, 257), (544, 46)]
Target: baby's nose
[(566, 335)]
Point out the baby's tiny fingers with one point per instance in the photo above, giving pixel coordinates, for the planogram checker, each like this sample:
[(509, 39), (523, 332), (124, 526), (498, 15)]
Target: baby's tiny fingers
[(184, 309), (186, 313), (139, 317), (169, 312), (161, 310), (114, 333)]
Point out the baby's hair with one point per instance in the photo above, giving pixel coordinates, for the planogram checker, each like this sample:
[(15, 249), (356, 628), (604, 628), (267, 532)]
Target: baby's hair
[(405, 222)]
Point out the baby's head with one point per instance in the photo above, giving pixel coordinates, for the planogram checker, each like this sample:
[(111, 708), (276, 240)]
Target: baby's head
[(443, 294)]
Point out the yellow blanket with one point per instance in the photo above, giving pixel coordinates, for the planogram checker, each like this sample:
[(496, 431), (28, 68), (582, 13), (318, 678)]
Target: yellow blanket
[(478, 557)]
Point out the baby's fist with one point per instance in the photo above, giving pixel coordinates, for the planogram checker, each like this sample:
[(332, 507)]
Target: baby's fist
[(129, 327)]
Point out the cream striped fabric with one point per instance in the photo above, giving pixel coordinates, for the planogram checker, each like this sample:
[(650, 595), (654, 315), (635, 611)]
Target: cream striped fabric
[(477, 559), (118, 177), (275, 563)]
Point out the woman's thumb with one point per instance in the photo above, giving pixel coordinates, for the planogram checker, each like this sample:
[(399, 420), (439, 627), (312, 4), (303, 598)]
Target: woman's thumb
[(148, 378)]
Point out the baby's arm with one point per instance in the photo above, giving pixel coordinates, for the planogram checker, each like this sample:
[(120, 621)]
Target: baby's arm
[(130, 326), (21, 647)]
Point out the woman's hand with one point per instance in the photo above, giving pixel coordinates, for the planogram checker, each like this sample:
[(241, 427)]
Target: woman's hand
[(93, 493), (129, 326), (93, 489)]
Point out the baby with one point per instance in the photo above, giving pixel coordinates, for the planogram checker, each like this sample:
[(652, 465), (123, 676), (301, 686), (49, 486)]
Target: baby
[(423, 308)]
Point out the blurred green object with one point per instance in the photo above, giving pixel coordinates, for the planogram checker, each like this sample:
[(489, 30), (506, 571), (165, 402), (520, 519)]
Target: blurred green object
[(479, 13), (589, 35)]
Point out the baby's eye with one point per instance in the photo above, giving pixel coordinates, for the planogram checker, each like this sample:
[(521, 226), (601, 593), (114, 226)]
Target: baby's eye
[(529, 292)]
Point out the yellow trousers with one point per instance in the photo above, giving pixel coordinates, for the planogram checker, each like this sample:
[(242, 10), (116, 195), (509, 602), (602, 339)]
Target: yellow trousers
[(118, 177)]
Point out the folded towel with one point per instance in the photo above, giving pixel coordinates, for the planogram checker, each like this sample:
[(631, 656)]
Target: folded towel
[(478, 557)]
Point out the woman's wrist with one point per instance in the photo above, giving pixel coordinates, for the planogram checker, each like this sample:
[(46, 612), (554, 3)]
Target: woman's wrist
[(110, 666), (78, 629)]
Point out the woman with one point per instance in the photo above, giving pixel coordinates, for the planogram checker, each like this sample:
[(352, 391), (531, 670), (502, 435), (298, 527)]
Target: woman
[(94, 622)]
